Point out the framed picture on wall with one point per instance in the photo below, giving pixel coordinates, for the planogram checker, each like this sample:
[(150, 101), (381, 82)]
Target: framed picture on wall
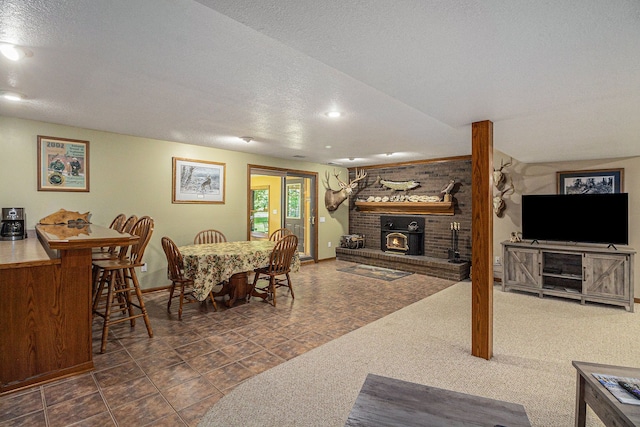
[(198, 181), (599, 181), (63, 164)]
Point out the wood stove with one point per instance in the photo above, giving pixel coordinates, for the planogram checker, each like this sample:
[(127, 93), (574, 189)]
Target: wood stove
[(402, 234)]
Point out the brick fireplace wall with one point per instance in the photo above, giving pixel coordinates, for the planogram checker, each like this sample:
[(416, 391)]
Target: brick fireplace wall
[(433, 177)]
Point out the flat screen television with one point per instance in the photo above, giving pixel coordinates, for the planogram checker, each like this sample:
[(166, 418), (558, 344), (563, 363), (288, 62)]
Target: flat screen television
[(582, 218)]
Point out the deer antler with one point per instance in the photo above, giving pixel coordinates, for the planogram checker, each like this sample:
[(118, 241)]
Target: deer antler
[(340, 182), (326, 183), (506, 190), (359, 176), (504, 165)]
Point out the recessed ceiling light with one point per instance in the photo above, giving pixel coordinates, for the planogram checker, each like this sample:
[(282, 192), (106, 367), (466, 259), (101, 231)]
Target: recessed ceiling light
[(327, 146), (13, 52), (334, 114), (12, 96)]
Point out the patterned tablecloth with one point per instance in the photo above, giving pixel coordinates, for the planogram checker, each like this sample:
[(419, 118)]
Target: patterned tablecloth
[(212, 263)]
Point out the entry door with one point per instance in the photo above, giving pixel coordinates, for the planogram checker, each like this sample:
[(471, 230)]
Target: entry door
[(292, 204)]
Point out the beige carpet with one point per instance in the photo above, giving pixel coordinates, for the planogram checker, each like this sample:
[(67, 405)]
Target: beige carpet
[(535, 340)]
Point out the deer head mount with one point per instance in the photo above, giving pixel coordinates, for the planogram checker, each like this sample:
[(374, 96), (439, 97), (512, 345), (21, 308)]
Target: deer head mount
[(499, 177), (498, 201), (334, 198)]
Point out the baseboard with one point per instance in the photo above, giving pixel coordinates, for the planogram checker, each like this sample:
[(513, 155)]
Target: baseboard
[(161, 288)]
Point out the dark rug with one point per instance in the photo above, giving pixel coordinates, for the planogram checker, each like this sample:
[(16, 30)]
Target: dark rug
[(375, 272)]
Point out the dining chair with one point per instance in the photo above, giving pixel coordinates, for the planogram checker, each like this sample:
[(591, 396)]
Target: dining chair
[(279, 234), (175, 272), (279, 265), (117, 280), (118, 222), (129, 223), (209, 236)]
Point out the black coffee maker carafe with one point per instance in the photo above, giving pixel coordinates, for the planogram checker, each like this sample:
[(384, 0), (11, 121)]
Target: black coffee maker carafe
[(13, 224)]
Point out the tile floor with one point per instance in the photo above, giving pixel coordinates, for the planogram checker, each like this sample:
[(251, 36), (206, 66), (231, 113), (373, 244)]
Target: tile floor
[(173, 378)]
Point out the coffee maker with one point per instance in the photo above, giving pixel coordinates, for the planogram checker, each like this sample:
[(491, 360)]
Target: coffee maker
[(13, 224)]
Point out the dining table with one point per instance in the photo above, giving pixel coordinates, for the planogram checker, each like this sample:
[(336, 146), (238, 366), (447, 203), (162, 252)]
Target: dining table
[(228, 263)]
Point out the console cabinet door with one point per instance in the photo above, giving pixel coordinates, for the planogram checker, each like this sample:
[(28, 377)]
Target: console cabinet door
[(522, 267), (606, 275)]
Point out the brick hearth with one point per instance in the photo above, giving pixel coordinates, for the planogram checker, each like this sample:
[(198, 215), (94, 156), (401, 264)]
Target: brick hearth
[(426, 265)]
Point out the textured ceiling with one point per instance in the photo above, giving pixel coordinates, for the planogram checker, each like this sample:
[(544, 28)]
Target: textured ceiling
[(559, 79)]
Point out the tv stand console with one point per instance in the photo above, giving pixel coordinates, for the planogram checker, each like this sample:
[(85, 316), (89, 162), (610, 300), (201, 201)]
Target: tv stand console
[(580, 272)]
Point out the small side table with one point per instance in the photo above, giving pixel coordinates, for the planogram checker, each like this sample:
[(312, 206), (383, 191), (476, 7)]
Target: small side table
[(590, 392)]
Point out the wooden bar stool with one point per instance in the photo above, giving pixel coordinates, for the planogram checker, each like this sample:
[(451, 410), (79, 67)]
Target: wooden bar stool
[(118, 282)]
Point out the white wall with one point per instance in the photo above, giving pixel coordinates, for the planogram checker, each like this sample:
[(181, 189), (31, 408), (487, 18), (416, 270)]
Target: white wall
[(540, 178), (132, 175)]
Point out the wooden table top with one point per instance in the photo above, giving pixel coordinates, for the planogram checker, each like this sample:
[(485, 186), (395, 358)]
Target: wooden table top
[(82, 236), (627, 412), (390, 402), (39, 248)]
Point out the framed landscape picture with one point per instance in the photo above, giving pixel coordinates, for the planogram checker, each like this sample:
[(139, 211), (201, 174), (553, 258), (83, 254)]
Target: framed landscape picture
[(198, 181), (63, 164), (599, 181)]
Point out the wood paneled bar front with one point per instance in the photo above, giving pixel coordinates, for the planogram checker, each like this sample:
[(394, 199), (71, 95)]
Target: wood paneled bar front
[(45, 309)]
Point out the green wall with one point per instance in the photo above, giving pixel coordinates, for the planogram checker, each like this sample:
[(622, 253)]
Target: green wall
[(132, 175)]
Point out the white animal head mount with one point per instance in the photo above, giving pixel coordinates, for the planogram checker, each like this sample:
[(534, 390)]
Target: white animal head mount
[(498, 201), (334, 198), (499, 177)]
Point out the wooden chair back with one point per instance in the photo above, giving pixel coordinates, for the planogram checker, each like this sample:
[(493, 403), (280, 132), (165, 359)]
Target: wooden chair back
[(282, 254), (129, 223), (209, 236), (126, 228), (279, 234), (118, 222), (143, 228), (175, 263)]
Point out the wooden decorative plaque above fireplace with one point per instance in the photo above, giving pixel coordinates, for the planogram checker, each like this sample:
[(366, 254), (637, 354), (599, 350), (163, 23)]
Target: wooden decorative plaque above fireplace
[(421, 208)]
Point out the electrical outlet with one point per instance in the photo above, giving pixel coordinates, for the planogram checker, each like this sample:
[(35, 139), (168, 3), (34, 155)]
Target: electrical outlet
[(329, 244), (497, 261), (144, 267)]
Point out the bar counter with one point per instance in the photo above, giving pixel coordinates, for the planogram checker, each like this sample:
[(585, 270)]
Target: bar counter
[(45, 309)]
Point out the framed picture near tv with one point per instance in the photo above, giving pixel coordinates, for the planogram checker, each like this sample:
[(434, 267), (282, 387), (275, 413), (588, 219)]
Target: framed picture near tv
[(600, 181)]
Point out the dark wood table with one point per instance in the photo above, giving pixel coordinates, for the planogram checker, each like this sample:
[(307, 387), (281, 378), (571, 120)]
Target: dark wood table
[(390, 402), (590, 392)]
